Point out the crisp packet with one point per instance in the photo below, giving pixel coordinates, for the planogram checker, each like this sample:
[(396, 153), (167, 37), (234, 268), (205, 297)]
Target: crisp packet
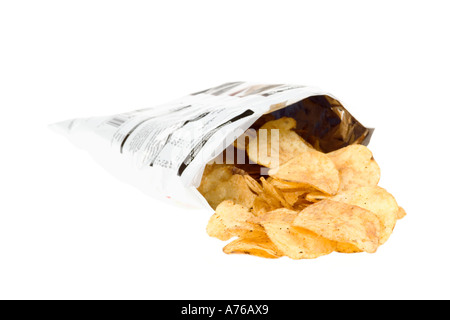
[(163, 150)]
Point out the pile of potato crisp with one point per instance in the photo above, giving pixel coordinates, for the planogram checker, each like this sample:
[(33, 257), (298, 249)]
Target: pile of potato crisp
[(311, 203)]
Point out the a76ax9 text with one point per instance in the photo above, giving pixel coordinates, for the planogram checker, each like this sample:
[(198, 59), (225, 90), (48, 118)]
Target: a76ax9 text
[(230, 309)]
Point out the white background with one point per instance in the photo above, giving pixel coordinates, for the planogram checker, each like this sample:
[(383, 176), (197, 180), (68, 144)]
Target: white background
[(69, 230)]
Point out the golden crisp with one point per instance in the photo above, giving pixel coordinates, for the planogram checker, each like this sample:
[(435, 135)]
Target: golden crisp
[(343, 247), (253, 184), (260, 247), (231, 220), (219, 184), (286, 185), (313, 168), (261, 206), (342, 222), (357, 167), (294, 196), (272, 192), (401, 213), (316, 196), (212, 175), (283, 123), (378, 201), (294, 242), (287, 143)]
